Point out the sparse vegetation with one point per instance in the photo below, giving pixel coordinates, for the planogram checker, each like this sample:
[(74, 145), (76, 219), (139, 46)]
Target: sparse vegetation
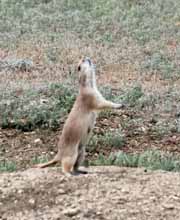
[(135, 45), (41, 159), (7, 166), (152, 25), (112, 139), (154, 160), (44, 108), (116, 140), (109, 140), (36, 109), (132, 96)]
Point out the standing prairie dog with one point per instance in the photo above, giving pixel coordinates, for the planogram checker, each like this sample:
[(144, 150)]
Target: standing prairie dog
[(78, 126)]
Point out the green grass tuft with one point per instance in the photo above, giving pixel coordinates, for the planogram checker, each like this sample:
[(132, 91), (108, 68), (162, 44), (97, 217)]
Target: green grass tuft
[(41, 159), (7, 166), (132, 96), (153, 160), (112, 139), (36, 109)]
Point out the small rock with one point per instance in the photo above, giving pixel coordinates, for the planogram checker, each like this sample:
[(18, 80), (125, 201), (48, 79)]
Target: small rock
[(20, 191), (125, 190), (168, 206), (15, 201), (61, 191), (71, 212), (38, 141), (32, 201)]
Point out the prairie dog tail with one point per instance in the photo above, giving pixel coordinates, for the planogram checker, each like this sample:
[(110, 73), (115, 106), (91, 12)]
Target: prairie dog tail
[(51, 162)]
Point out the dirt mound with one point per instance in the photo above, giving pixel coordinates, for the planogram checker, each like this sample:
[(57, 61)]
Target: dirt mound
[(105, 193)]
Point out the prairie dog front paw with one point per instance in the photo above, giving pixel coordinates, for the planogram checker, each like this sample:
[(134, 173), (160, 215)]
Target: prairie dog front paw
[(119, 106)]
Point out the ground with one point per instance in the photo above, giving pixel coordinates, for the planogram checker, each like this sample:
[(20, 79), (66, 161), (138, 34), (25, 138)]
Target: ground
[(104, 193), (135, 46)]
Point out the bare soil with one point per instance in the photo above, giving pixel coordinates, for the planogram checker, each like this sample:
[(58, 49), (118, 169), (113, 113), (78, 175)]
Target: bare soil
[(104, 193)]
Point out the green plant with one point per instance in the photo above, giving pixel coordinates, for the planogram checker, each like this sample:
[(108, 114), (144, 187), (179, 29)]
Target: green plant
[(132, 96), (161, 63), (108, 93), (112, 139), (92, 145), (109, 139), (102, 161), (115, 24), (105, 114), (153, 160), (41, 159), (7, 166), (34, 109)]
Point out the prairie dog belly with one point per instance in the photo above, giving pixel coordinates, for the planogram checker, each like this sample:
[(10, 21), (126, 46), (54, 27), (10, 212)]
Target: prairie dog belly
[(90, 125)]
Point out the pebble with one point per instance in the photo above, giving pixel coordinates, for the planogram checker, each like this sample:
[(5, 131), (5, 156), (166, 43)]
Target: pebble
[(38, 140), (71, 211), (31, 201), (61, 191), (168, 206)]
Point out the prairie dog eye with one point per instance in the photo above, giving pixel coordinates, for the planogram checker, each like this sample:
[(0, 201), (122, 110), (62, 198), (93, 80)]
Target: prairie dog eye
[(79, 64)]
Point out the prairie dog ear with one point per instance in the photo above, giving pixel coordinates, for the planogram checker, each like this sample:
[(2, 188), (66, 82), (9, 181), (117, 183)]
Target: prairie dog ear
[(82, 80)]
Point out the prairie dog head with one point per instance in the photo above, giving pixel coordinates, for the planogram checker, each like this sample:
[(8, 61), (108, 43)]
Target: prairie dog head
[(86, 73)]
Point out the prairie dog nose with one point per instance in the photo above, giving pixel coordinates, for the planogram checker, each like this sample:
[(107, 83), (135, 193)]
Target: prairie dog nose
[(87, 59)]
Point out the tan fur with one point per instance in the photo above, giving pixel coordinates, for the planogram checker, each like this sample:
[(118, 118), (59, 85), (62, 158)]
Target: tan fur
[(78, 126)]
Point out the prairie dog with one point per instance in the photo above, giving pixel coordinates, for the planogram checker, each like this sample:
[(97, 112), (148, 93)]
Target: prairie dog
[(80, 122)]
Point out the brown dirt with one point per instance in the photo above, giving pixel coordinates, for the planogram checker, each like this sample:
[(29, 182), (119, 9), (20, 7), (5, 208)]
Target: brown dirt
[(105, 193), (126, 75), (23, 147)]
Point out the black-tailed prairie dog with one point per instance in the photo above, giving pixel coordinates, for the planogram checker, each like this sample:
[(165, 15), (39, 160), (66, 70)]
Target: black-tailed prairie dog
[(80, 122)]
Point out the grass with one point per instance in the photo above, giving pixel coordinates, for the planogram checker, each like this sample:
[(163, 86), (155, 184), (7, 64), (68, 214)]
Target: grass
[(135, 40), (7, 166), (113, 139), (160, 63), (54, 25), (45, 108), (36, 109), (132, 96), (37, 160), (109, 140), (153, 160)]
